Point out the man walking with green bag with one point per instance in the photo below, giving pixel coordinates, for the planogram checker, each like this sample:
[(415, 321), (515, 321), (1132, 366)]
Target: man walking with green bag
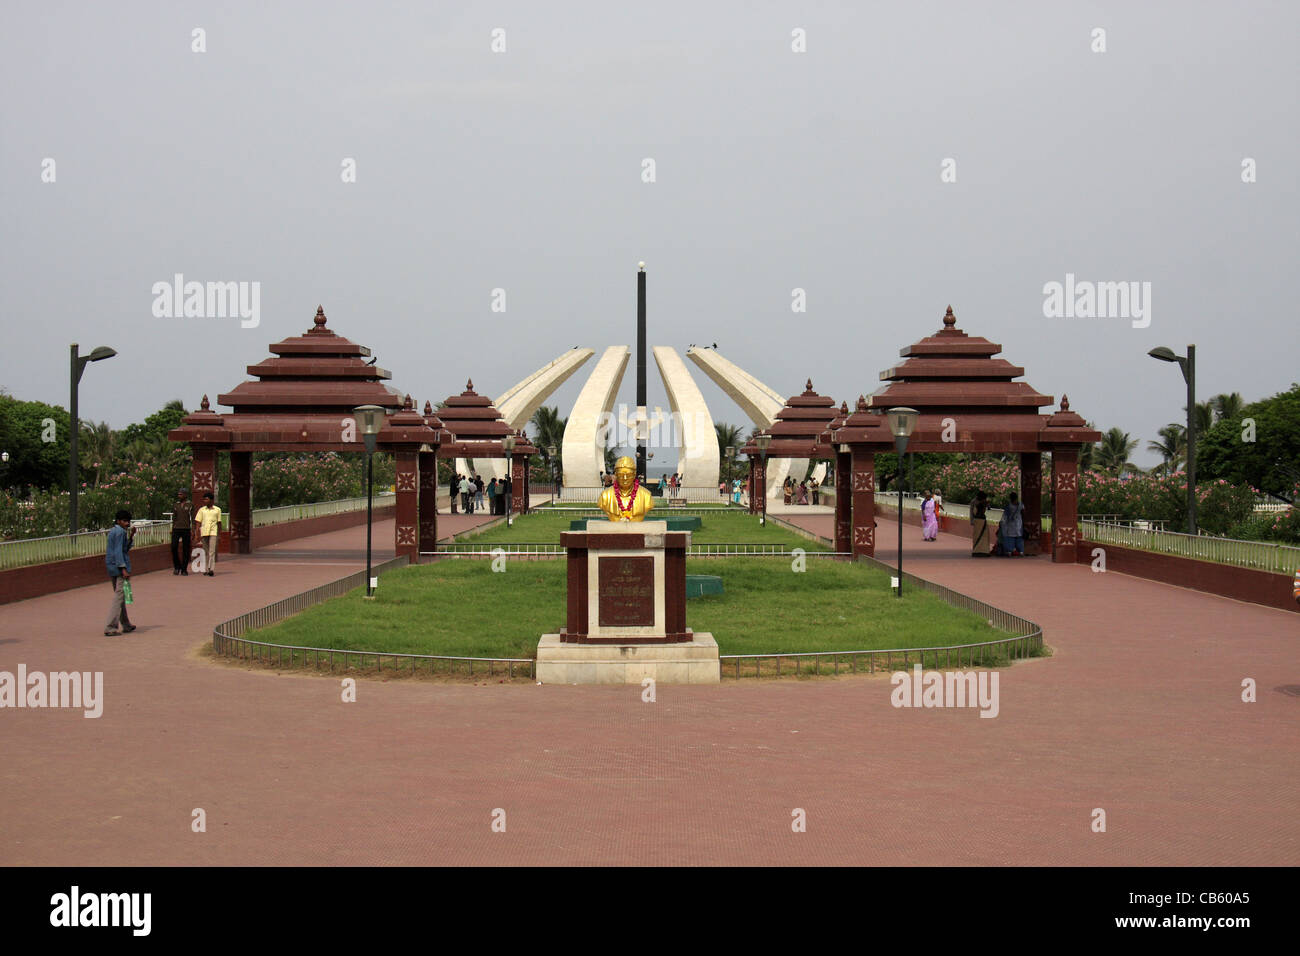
[(118, 562)]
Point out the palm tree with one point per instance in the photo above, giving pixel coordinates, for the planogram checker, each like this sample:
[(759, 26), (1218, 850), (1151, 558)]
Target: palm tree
[(1172, 446), (1087, 452), (1204, 417), (728, 436), (1228, 406), (1113, 453), (550, 430), (96, 448)]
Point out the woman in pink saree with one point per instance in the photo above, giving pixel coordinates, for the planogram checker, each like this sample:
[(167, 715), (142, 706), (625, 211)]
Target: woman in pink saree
[(929, 519)]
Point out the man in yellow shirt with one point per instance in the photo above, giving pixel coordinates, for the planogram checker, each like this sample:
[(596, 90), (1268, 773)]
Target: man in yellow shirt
[(208, 522)]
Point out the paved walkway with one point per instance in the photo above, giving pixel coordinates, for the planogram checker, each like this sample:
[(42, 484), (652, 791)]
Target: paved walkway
[(1139, 713)]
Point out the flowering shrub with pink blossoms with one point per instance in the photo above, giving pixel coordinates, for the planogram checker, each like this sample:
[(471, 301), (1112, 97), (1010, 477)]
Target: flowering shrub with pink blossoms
[(147, 490)]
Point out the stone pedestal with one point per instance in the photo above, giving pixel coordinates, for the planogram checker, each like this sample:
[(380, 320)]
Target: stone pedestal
[(626, 611)]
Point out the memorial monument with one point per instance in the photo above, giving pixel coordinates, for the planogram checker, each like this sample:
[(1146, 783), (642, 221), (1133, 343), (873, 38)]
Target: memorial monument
[(626, 608)]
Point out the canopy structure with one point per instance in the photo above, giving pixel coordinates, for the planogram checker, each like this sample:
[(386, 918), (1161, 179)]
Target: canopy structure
[(303, 401), (798, 431), (479, 431), (969, 402)]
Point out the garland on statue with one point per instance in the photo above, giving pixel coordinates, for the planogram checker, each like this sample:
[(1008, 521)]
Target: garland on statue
[(618, 497)]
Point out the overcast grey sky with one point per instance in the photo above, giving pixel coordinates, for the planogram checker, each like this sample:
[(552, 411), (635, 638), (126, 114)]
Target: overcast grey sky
[(775, 170)]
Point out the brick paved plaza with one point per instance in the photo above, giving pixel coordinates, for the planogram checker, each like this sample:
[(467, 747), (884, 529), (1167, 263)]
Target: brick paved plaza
[(1138, 712)]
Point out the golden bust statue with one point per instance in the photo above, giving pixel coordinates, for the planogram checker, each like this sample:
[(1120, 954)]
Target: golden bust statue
[(625, 499)]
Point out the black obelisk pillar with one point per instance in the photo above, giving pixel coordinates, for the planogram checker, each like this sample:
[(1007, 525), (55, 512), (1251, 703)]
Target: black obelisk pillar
[(640, 370)]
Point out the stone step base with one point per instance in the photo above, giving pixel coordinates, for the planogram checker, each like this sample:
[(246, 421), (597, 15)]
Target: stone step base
[(690, 662)]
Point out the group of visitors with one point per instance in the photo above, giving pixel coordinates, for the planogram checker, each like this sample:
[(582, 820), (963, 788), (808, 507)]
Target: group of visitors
[(1008, 538), (470, 491), (187, 525), (799, 493)]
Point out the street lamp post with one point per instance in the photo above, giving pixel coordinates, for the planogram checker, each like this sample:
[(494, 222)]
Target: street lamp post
[(508, 445), (78, 366), (731, 463), (555, 482), (901, 423), (763, 441), (371, 417), (1188, 365)]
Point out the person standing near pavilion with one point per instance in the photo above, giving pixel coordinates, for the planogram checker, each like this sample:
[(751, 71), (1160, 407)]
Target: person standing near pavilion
[(208, 523), (815, 487), (492, 496), (453, 490), (979, 526), (478, 492), (465, 488), (1013, 527), (929, 519), (182, 521), (118, 561)]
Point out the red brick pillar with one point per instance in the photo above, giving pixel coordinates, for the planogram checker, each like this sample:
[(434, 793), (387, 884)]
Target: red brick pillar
[(241, 502), (203, 476), (428, 465), (843, 503), (518, 490), (528, 487), (1065, 504), (1031, 490), (753, 485), (408, 509), (863, 466)]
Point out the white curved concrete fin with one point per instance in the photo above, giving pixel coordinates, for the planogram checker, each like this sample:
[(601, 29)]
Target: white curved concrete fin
[(518, 403), (584, 435), (691, 427), (756, 400)]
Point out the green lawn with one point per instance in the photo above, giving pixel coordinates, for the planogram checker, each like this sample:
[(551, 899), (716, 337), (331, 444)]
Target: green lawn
[(463, 608), (725, 527)]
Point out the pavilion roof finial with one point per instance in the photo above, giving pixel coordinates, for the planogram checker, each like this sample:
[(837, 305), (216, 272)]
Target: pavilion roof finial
[(808, 387), (862, 403), (1065, 403), (320, 317), (204, 404), (428, 408), (407, 404), (469, 385), (949, 320)]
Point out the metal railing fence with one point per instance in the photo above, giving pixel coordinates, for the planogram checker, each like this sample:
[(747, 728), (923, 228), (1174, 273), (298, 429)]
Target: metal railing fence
[(22, 552), (541, 549), (1258, 555), (227, 639), (1026, 639)]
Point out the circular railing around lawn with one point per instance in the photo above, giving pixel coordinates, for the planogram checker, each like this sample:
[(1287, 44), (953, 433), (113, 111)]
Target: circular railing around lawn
[(227, 641)]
